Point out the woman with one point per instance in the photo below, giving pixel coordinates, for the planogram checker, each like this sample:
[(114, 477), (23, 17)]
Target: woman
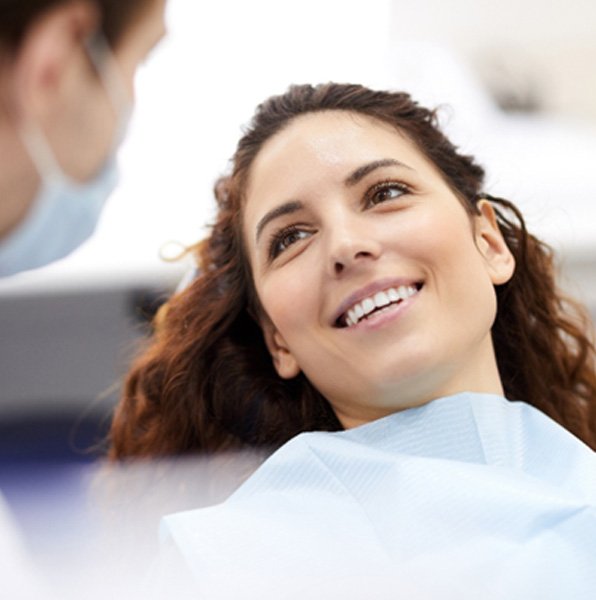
[(358, 281), (66, 92), (207, 382)]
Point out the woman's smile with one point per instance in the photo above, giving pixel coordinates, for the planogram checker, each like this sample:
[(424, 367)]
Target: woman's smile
[(382, 297)]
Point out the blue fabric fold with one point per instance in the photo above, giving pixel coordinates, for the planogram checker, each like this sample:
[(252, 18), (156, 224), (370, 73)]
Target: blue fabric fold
[(469, 496)]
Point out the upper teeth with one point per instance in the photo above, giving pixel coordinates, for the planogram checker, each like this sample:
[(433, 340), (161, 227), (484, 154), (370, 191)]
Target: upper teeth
[(379, 300)]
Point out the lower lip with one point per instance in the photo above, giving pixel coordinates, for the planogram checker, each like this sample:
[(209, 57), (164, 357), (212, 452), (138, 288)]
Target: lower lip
[(383, 317)]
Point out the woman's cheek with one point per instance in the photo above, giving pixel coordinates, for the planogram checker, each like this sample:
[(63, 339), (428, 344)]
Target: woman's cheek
[(284, 296)]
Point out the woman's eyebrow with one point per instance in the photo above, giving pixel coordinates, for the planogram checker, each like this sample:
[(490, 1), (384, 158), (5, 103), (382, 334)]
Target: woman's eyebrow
[(279, 211), (364, 170)]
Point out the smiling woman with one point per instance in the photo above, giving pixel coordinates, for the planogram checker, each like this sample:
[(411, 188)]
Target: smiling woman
[(375, 220), (355, 269), (358, 285)]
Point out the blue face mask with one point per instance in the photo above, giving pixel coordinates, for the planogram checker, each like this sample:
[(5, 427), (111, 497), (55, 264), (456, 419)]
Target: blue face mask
[(64, 213)]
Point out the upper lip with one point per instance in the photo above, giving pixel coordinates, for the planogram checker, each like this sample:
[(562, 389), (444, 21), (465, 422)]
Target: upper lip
[(370, 290)]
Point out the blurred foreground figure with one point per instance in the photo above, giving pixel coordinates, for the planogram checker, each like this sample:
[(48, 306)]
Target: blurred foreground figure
[(66, 95)]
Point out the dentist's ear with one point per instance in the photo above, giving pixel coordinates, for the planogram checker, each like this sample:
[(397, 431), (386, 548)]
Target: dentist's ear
[(46, 62), (491, 244), (283, 360)]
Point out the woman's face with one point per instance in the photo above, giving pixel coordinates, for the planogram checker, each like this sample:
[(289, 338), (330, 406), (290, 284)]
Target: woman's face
[(374, 280)]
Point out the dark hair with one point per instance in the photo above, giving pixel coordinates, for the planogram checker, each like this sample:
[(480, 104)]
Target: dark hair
[(17, 15), (206, 382)]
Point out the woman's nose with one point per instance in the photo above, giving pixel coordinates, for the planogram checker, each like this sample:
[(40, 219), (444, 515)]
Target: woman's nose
[(352, 246)]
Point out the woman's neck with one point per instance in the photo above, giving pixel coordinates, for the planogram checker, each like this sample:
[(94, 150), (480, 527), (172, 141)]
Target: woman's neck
[(479, 374)]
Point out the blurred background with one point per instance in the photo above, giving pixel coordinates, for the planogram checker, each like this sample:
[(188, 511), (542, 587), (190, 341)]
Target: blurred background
[(517, 87)]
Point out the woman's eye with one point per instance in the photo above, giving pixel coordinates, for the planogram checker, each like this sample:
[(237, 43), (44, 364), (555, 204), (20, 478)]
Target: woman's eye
[(283, 239), (385, 191)]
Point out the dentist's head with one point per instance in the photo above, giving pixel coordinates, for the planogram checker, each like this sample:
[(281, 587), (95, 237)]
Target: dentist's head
[(66, 93)]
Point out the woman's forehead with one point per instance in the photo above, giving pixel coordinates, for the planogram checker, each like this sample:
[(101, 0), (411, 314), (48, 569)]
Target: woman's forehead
[(329, 130), (327, 142)]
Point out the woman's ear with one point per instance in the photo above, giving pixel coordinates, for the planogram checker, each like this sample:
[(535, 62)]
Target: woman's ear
[(283, 360), (491, 244)]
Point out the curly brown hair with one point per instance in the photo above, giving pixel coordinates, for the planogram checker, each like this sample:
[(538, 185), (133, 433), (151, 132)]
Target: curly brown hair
[(206, 382)]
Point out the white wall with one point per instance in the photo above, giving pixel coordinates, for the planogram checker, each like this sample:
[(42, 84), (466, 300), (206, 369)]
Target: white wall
[(550, 46)]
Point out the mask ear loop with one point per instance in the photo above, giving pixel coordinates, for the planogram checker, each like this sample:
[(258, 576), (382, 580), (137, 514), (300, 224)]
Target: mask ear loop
[(40, 152), (107, 67)]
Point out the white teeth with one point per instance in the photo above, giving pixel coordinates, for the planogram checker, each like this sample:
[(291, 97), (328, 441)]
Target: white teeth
[(368, 305), (379, 300), (393, 295)]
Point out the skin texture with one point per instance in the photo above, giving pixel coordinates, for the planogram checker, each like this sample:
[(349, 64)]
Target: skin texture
[(51, 82), (346, 229)]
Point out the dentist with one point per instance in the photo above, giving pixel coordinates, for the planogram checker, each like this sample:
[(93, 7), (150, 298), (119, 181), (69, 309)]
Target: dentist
[(66, 93)]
